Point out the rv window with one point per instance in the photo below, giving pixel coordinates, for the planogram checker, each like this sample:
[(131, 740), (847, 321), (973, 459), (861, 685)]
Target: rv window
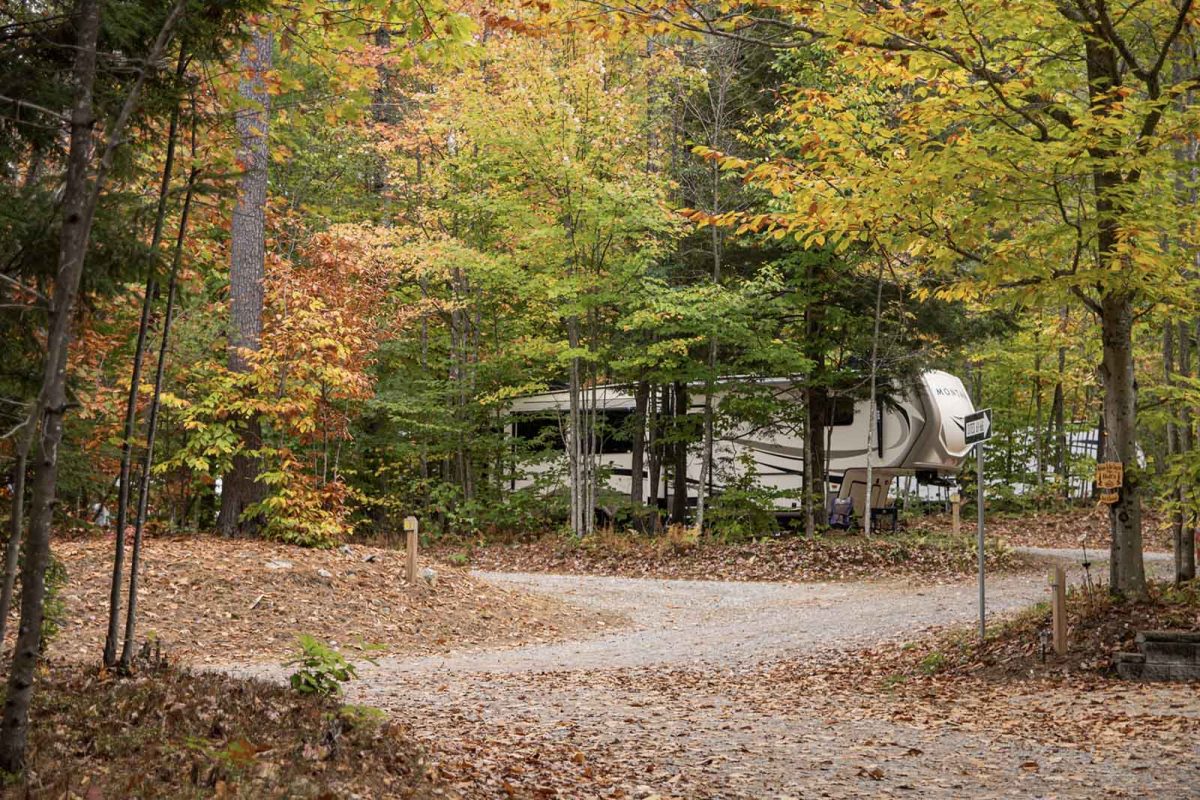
[(613, 431), (842, 412), (540, 430)]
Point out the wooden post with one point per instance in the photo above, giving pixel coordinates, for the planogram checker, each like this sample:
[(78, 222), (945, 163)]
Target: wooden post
[(1058, 605), (955, 509), (410, 529)]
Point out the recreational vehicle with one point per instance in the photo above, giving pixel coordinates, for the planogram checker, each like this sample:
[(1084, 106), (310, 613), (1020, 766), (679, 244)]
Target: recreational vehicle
[(919, 431)]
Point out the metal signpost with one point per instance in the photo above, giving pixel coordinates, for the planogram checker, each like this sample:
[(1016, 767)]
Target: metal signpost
[(978, 429)]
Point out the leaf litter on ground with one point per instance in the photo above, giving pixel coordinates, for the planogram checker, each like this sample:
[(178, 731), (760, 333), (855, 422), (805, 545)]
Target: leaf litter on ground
[(210, 600)]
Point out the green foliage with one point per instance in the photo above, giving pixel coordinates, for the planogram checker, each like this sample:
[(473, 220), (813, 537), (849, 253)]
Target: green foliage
[(323, 670), (54, 607), (364, 718), (745, 509), (933, 663)]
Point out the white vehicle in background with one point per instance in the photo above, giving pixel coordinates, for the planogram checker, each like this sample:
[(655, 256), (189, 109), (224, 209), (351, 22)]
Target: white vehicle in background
[(918, 432)]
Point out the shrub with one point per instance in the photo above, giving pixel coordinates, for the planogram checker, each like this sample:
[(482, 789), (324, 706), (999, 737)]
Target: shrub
[(54, 609), (745, 508), (323, 670)]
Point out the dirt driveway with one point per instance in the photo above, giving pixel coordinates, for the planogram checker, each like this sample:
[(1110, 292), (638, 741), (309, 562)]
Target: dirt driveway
[(681, 704)]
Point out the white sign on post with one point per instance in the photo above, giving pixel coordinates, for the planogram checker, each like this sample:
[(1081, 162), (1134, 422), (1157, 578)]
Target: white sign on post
[(978, 429)]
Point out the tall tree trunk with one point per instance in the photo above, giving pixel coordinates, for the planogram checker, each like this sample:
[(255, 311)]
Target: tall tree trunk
[(1186, 563), (1185, 540), (16, 522), (637, 457), (135, 382), (1038, 432), (590, 503), (1058, 413), (654, 444), (241, 487), (1172, 443), (817, 402), (872, 424), (1127, 571), (679, 450), (78, 205), (575, 435), (152, 429), (816, 405)]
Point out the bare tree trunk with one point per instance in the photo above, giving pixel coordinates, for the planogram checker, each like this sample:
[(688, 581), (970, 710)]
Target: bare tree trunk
[(1126, 569), (1185, 542), (679, 450), (152, 429), (135, 382), (590, 502), (817, 402), (1058, 413), (241, 487), (653, 444), (816, 407), (574, 436), (1040, 440), (637, 457), (1120, 410), (1172, 443), (874, 408), (78, 205), (16, 522)]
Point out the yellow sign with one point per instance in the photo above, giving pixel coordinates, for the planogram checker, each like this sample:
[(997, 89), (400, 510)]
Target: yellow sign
[(1108, 498), (410, 524), (1110, 475)]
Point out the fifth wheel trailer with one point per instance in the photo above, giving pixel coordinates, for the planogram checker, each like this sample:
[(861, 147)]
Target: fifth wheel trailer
[(919, 431)]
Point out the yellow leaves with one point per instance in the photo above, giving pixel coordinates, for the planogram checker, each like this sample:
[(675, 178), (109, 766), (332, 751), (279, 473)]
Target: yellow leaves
[(703, 218), (725, 162)]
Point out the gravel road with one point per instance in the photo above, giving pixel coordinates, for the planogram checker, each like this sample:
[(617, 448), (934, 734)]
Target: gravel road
[(689, 623), (610, 697)]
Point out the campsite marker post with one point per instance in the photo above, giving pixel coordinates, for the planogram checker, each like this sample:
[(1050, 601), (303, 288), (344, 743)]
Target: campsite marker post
[(1058, 587), (978, 429), (410, 530)]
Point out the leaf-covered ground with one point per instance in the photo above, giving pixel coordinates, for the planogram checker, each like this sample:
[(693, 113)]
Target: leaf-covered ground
[(752, 690), (1072, 528), (1099, 625), (886, 721), (732, 690), (833, 556), (927, 550), (172, 734), (219, 600)]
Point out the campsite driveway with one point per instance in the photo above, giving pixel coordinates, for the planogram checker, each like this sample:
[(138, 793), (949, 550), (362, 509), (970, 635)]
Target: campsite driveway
[(682, 704), (727, 623)]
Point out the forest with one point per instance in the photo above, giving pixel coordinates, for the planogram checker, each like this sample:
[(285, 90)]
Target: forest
[(283, 274)]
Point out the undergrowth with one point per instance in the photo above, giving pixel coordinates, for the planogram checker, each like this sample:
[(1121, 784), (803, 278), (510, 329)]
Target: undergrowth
[(167, 733), (1099, 625)]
